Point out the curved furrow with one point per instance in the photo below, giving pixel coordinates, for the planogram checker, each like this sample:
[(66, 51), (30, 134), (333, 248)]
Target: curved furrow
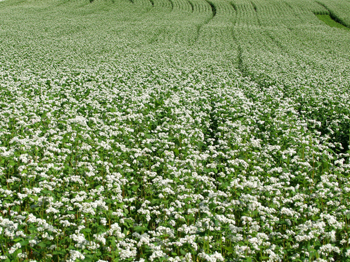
[(146, 3), (201, 7), (308, 5), (292, 16), (246, 31), (218, 31), (269, 18), (223, 12), (180, 26), (305, 12), (182, 5), (190, 5), (163, 4), (202, 13), (269, 15), (245, 13)]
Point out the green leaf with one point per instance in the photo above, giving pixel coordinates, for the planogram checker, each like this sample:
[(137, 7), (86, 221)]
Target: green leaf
[(183, 252), (18, 239), (12, 163), (228, 249), (89, 258), (42, 245), (59, 252), (101, 229), (139, 229), (173, 253), (32, 229), (156, 201), (24, 243), (113, 241), (18, 251), (126, 232), (86, 230)]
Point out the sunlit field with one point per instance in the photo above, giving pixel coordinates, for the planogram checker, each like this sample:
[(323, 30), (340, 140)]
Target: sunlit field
[(174, 130)]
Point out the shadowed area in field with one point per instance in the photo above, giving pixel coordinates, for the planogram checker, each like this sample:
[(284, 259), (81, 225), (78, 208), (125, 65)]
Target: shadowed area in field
[(327, 19)]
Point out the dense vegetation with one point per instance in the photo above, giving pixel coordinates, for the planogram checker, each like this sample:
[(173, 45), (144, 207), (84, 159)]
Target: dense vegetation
[(174, 130)]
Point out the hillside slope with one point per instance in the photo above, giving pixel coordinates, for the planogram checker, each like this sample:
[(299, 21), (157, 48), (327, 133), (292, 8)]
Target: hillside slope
[(174, 130)]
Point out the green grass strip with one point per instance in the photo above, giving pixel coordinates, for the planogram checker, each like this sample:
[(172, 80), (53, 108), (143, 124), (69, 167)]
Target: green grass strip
[(329, 21)]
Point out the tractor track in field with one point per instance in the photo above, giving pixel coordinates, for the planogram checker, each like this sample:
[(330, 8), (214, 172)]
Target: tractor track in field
[(172, 5), (276, 42), (233, 6), (190, 5), (213, 10), (241, 67)]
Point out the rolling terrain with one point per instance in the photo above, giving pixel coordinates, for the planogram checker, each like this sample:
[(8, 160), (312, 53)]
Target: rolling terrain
[(174, 130)]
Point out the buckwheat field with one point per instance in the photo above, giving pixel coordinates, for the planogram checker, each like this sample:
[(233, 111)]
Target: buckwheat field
[(174, 130)]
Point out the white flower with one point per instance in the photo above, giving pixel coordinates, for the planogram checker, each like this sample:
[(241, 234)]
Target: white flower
[(103, 221), (144, 239), (328, 248), (100, 238), (74, 255), (14, 248), (32, 242), (211, 258), (127, 253), (156, 254)]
